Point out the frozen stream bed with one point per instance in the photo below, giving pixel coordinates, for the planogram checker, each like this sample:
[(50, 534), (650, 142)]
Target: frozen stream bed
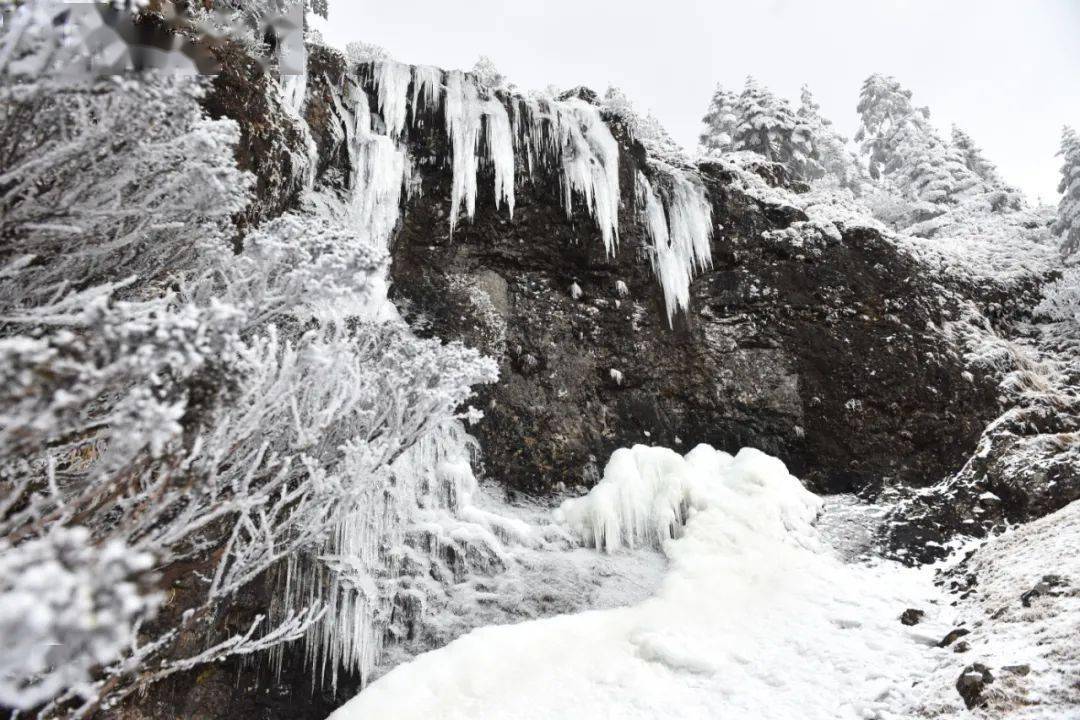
[(767, 607)]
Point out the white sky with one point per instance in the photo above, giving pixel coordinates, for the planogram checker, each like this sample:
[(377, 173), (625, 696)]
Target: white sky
[(1007, 71)]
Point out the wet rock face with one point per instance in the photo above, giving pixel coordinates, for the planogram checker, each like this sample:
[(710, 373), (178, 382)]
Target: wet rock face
[(825, 354)]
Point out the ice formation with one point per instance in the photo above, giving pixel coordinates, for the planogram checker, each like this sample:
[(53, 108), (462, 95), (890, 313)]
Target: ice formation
[(465, 113), (294, 90), (355, 577), (755, 618), (680, 227), (647, 494), (392, 79), (590, 165), (427, 82), (358, 575), (380, 170), (571, 136)]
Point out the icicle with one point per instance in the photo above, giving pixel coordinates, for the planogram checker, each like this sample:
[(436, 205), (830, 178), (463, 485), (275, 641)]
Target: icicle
[(465, 112), (355, 576), (680, 236), (379, 170), (500, 144), (426, 83), (293, 88), (393, 79), (572, 134), (463, 126)]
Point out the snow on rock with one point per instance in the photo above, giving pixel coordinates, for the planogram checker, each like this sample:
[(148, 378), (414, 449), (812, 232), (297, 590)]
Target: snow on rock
[(755, 618), (1020, 606)]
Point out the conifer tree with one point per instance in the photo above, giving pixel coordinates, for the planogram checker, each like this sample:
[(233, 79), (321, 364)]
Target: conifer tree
[(973, 157), (905, 148), (829, 147), (769, 126), (1068, 220), (720, 121)]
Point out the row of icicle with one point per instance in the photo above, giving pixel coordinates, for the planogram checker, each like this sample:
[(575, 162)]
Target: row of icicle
[(567, 134)]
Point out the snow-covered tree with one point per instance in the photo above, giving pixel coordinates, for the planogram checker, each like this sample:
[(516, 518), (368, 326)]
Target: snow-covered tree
[(830, 149), (1067, 225), (973, 156), (769, 126), (885, 108), (362, 52), (905, 149), (720, 122), (487, 74)]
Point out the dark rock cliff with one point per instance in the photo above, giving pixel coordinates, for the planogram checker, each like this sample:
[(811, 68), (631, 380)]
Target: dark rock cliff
[(825, 355)]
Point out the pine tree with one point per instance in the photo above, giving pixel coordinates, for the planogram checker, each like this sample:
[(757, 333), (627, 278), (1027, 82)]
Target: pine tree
[(829, 147), (767, 125), (720, 121), (887, 116), (905, 148), (973, 157), (1068, 220)]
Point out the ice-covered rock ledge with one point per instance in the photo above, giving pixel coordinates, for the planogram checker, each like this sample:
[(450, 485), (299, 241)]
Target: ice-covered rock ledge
[(755, 617)]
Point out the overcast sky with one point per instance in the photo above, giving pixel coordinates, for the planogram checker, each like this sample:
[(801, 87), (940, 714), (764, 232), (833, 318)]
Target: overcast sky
[(1007, 71)]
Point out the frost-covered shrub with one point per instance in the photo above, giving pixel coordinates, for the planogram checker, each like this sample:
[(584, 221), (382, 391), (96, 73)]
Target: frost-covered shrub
[(103, 180), (166, 397), (362, 52), (68, 606), (1061, 300)]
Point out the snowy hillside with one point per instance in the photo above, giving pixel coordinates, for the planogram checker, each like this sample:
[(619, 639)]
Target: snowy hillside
[(336, 386)]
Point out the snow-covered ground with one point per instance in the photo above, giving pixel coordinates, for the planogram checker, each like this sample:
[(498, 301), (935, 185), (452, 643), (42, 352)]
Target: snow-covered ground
[(1019, 600), (757, 616)]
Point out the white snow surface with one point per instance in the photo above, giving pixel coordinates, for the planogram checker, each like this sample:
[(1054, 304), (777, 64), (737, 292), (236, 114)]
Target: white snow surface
[(756, 616)]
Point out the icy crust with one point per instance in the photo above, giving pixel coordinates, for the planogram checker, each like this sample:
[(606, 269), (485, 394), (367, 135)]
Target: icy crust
[(754, 618)]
